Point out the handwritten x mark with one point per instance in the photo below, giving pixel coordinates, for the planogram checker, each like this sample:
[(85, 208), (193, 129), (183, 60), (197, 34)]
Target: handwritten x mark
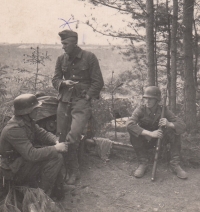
[(66, 23)]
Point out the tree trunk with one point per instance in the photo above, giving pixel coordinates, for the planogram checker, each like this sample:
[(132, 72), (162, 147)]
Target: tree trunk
[(155, 45), (173, 74), (150, 42), (196, 53), (168, 52), (189, 88)]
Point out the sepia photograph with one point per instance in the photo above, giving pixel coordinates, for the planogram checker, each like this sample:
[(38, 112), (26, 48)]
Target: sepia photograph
[(99, 106)]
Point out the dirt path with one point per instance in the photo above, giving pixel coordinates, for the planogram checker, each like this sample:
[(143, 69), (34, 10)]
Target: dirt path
[(110, 188)]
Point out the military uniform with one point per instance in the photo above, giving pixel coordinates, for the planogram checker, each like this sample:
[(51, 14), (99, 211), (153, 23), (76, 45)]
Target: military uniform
[(27, 163), (145, 119), (83, 67)]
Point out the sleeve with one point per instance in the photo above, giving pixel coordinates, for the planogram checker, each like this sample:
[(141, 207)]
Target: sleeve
[(58, 75), (45, 137), (17, 137), (132, 124), (96, 77), (179, 124)]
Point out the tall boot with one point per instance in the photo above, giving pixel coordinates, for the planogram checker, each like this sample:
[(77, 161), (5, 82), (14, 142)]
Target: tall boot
[(175, 167), (175, 157), (73, 166), (60, 188), (49, 173), (138, 144), (142, 162), (46, 186)]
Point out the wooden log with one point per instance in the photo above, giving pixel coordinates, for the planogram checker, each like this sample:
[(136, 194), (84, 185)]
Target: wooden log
[(115, 145)]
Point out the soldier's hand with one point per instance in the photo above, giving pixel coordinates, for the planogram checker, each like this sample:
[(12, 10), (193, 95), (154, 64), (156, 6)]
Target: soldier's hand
[(62, 147), (163, 123), (166, 123), (69, 82), (156, 134)]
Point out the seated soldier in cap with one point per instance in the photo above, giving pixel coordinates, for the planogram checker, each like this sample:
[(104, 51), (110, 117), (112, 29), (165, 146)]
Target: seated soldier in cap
[(78, 79), (27, 164), (143, 129)]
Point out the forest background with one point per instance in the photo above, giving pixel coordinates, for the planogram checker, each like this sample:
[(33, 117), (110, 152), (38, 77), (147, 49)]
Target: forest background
[(159, 46)]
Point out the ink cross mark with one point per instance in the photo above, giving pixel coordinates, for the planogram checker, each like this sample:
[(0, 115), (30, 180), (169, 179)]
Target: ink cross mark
[(67, 23)]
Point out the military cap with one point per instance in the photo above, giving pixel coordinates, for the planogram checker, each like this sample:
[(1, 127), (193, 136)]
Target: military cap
[(67, 34)]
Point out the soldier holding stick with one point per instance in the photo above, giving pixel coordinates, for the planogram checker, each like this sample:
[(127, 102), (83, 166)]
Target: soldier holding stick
[(143, 127)]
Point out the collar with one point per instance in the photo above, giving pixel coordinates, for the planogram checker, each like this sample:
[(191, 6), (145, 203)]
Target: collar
[(24, 120), (76, 53), (152, 110)]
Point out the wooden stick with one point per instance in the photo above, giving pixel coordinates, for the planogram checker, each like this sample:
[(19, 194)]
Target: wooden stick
[(115, 145)]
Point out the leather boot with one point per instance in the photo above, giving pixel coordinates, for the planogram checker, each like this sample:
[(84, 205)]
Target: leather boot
[(46, 186), (73, 165), (142, 168), (60, 188), (73, 176), (175, 168)]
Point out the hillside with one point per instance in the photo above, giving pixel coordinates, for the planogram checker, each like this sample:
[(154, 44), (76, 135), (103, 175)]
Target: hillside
[(13, 55)]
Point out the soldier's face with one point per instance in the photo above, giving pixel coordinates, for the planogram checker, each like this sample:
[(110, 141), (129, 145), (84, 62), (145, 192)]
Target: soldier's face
[(69, 45), (33, 114), (150, 102)]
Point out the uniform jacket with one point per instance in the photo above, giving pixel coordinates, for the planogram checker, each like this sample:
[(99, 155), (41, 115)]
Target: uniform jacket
[(145, 119), (84, 68), (20, 136)]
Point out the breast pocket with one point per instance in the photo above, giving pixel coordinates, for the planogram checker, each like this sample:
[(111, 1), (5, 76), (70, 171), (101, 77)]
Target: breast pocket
[(145, 121), (82, 71)]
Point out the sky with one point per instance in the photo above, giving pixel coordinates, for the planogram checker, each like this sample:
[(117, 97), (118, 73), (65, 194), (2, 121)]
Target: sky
[(38, 21)]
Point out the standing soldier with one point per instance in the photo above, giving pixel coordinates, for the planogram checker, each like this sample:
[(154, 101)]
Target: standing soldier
[(143, 129), (18, 146), (78, 79)]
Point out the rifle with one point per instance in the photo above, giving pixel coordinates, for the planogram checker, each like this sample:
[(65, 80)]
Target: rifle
[(159, 139)]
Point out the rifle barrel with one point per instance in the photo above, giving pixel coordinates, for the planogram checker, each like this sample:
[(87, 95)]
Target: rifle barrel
[(156, 159), (159, 140)]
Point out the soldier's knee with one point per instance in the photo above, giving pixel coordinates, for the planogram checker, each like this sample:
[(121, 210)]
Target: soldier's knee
[(135, 141), (169, 134), (58, 160)]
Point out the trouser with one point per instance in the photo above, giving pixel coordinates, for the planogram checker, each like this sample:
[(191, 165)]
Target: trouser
[(71, 123), (43, 174), (141, 145)]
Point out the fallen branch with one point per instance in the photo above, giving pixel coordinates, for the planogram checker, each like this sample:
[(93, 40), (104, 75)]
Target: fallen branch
[(115, 145)]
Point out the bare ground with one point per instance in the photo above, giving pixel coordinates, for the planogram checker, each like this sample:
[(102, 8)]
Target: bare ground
[(109, 187)]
